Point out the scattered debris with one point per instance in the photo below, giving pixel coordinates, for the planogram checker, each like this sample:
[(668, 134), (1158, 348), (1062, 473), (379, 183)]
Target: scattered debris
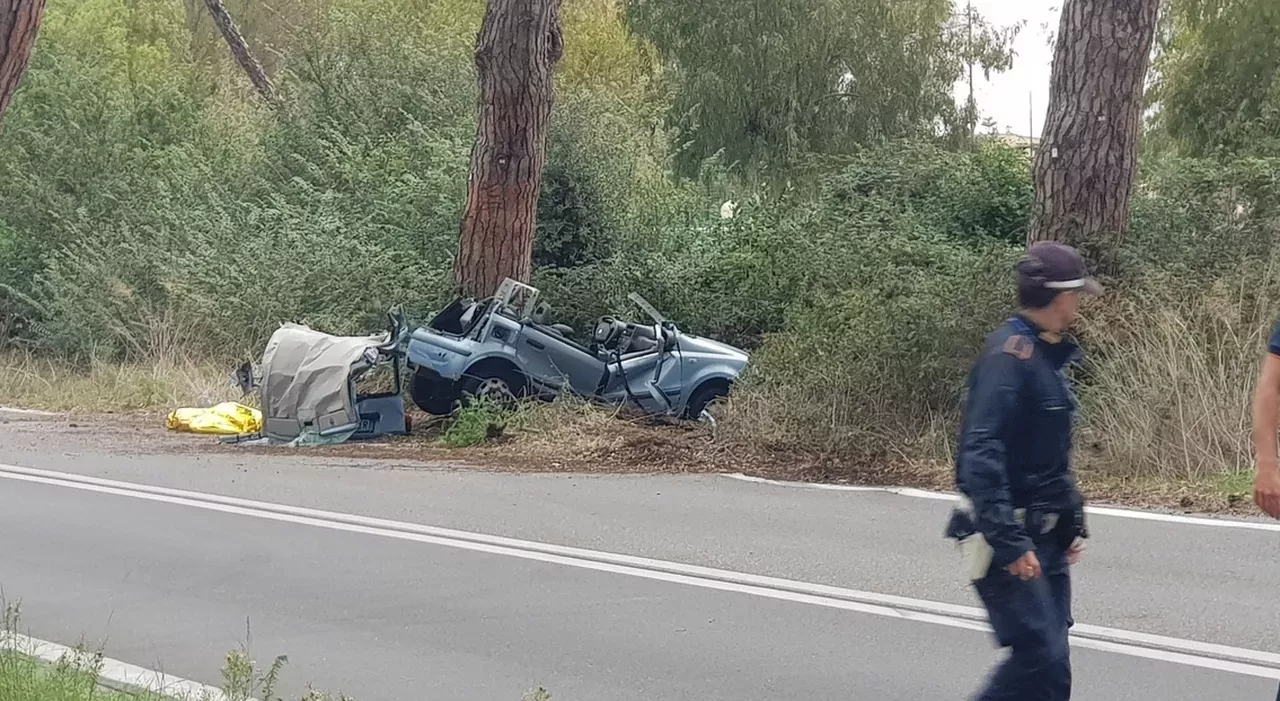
[(308, 385), (307, 388)]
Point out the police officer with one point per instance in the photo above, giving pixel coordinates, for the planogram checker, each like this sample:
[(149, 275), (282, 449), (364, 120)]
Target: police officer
[(1021, 518)]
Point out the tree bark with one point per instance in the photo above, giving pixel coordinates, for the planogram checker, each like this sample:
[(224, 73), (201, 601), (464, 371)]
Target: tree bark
[(19, 24), (519, 44), (240, 50), (1088, 156)]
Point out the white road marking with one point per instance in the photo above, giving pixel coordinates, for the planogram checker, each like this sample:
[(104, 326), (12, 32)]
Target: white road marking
[(115, 671), (30, 412), (1270, 526), (1155, 647)]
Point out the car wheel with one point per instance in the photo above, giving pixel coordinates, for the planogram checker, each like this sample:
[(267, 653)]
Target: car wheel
[(708, 396), (432, 394), (498, 385)]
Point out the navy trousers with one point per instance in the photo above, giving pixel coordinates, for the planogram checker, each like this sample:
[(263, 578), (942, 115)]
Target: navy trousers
[(1032, 619)]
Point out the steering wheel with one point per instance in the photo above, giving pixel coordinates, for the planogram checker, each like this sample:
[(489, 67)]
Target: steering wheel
[(607, 330)]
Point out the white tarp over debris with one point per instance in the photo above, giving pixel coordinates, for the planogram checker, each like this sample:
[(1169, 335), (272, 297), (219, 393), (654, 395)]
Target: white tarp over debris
[(308, 382)]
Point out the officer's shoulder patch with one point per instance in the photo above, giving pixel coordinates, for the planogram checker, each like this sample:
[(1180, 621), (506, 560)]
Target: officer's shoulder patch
[(1019, 346)]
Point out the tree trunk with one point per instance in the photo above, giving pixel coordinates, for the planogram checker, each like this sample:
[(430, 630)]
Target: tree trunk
[(1088, 155), (517, 49), (240, 50), (19, 23)]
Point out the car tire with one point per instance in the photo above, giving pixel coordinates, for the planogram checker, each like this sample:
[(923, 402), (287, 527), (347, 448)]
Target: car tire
[(704, 396), (432, 394), (502, 385)]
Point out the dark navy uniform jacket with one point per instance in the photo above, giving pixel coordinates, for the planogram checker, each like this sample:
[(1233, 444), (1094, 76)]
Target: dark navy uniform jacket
[(1015, 439)]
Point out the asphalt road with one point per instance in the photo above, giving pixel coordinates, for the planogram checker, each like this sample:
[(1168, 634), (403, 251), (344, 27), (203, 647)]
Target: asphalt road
[(382, 617)]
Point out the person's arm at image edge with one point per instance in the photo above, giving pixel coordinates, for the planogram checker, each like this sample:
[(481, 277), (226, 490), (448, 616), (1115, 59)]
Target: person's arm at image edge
[(1266, 428)]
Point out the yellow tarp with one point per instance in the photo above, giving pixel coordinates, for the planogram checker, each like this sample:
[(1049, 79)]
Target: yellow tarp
[(227, 418)]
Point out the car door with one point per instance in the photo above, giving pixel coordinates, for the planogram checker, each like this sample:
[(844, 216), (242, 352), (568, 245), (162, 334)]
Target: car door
[(558, 363), (640, 370)]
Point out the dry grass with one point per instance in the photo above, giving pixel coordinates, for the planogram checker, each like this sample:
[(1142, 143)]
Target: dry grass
[(1168, 392), (577, 436), (33, 382), (828, 408), (572, 434)]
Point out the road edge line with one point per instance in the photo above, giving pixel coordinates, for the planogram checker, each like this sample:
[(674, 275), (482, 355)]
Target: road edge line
[(1112, 511)]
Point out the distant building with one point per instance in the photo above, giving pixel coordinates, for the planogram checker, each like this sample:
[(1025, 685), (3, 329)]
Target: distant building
[(1030, 144)]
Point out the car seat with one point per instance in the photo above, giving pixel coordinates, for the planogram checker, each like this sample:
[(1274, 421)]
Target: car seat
[(542, 317)]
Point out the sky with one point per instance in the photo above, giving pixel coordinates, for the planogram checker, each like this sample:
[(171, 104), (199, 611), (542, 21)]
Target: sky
[(1018, 98)]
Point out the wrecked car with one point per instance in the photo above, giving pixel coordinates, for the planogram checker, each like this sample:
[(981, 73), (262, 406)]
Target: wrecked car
[(309, 384), (507, 346)]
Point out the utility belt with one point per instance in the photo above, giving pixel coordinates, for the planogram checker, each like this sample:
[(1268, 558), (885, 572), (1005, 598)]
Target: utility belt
[(1057, 525), (1060, 526)]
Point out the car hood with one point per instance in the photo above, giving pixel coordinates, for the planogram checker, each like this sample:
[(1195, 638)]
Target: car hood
[(698, 344)]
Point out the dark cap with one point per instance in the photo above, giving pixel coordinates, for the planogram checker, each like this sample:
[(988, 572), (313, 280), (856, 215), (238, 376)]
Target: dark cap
[(1057, 266)]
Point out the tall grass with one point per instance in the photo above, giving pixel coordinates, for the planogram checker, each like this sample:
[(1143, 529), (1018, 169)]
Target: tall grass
[(72, 677), (1168, 394), (22, 678), (94, 384)]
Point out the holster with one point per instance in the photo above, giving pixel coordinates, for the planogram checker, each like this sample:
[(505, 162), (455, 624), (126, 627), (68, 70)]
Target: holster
[(1059, 526), (1044, 525), (975, 552)]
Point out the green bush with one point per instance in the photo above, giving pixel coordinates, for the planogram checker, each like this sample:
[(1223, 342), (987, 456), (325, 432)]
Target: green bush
[(95, 115), (475, 424), (971, 196), (1201, 217), (740, 278), (156, 212), (868, 369)]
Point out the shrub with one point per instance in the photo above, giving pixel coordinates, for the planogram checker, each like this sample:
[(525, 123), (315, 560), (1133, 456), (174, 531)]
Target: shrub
[(135, 233), (220, 284), (973, 196), (94, 116), (1202, 218), (474, 424), (866, 372)]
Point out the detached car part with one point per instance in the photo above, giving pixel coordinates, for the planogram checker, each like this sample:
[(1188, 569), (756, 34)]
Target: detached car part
[(307, 383)]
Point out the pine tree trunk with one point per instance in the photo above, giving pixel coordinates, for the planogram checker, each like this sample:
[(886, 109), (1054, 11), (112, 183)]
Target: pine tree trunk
[(517, 49), (240, 50), (19, 23), (1088, 154)]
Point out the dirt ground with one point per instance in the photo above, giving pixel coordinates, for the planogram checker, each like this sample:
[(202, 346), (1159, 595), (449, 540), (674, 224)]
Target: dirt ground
[(598, 445), (594, 444)]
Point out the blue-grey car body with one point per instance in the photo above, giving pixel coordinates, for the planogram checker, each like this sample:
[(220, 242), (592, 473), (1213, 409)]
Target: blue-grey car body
[(662, 379)]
